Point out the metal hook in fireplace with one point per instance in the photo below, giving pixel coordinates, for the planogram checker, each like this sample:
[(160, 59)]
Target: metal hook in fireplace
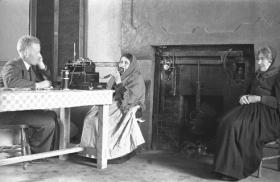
[(169, 68), (195, 115), (168, 63)]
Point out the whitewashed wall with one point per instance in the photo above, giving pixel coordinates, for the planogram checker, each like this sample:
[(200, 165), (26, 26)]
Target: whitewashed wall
[(14, 22)]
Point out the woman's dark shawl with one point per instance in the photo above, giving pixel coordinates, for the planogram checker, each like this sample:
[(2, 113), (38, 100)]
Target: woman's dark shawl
[(133, 81), (273, 68), (263, 78)]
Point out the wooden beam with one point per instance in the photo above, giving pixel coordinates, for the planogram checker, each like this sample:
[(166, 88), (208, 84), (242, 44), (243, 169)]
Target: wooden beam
[(102, 144), (181, 118), (85, 27), (32, 17), (14, 160), (55, 40), (207, 53), (156, 98), (81, 28), (194, 60), (64, 129)]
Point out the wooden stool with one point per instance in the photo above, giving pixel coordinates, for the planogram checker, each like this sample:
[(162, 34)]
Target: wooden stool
[(16, 141), (271, 145)]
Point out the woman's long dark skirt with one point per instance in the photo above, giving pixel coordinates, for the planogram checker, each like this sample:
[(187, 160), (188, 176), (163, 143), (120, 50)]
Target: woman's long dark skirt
[(241, 136)]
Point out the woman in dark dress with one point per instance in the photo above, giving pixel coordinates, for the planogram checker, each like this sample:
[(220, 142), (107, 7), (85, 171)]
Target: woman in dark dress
[(244, 130)]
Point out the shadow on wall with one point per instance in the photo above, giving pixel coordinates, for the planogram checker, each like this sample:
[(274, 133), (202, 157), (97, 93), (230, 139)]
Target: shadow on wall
[(145, 126)]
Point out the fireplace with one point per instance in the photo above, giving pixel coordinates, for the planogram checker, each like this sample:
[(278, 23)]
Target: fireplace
[(194, 86)]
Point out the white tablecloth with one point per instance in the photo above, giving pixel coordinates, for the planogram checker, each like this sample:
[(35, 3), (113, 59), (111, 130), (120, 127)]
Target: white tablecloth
[(47, 99), (17, 100)]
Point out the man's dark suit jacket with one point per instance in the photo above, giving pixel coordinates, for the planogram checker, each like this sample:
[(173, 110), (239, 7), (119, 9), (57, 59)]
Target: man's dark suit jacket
[(42, 123), (15, 75)]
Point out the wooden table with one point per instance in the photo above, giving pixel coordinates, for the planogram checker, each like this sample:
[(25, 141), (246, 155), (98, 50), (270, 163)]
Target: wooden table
[(63, 99)]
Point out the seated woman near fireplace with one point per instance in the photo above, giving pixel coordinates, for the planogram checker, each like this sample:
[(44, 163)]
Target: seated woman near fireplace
[(124, 134), (244, 130)]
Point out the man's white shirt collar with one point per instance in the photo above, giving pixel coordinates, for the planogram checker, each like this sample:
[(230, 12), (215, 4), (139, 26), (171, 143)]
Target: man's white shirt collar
[(27, 65)]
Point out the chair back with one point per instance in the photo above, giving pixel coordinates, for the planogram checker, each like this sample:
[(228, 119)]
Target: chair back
[(1, 79)]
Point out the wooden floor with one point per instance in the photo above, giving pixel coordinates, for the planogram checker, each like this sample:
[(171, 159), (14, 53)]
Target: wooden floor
[(148, 166)]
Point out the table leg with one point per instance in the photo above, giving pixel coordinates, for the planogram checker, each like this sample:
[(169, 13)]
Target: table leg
[(64, 137), (102, 140)]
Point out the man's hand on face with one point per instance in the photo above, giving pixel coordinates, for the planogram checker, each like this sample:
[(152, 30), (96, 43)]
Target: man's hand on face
[(43, 84), (41, 64)]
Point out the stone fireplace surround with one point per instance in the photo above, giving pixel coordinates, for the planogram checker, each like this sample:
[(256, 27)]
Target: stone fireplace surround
[(180, 106)]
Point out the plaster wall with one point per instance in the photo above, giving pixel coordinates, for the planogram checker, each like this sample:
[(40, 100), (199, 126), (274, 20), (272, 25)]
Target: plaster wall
[(104, 30), (104, 34), (14, 22), (177, 22), (145, 23), (136, 25)]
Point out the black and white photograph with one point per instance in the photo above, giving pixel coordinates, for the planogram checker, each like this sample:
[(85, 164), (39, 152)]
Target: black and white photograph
[(139, 90)]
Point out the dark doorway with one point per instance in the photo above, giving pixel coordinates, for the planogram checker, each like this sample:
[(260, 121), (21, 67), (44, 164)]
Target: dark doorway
[(60, 26)]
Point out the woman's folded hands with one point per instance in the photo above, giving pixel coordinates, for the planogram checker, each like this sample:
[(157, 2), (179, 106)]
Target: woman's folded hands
[(248, 99)]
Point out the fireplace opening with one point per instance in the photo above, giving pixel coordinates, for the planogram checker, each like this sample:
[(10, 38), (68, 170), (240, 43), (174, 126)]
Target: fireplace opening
[(194, 86)]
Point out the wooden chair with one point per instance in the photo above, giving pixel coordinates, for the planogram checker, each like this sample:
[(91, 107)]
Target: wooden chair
[(274, 145), (19, 142)]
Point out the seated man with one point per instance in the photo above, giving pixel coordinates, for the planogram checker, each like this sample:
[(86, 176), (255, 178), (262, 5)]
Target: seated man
[(29, 71)]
